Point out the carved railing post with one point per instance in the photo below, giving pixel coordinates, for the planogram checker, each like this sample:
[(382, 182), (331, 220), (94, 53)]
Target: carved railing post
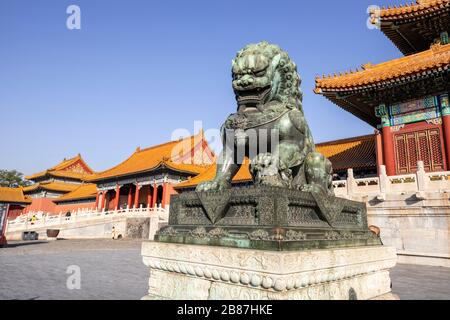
[(26, 221), (421, 177), (383, 180), (350, 182)]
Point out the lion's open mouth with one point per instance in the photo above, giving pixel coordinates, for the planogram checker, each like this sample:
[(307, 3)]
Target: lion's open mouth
[(252, 97)]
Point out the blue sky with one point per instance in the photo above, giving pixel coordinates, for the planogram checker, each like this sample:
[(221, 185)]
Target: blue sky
[(137, 70)]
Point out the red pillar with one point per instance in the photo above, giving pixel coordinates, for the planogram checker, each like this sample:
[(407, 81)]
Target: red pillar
[(116, 199), (130, 199), (379, 150), (164, 195), (445, 111), (3, 241), (446, 127), (96, 200), (149, 196), (388, 151), (136, 196), (155, 195), (102, 203)]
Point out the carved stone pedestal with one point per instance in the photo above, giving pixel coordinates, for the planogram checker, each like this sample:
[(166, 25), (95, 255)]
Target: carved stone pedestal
[(196, 272)]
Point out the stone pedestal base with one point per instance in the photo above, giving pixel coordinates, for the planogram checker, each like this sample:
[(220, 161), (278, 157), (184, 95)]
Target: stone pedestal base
[(194, 272)]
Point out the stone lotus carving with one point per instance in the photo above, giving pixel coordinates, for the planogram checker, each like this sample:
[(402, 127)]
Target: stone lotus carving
[(295, 235)]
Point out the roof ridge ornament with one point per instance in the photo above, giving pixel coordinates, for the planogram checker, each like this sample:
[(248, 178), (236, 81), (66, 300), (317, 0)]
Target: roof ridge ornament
[(367, 66)]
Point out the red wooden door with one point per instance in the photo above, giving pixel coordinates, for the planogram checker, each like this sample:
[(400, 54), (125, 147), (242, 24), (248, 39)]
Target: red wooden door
[(422, 145)]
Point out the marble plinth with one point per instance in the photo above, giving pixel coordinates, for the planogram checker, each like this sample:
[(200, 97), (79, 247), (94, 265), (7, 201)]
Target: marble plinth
[(195, 272)]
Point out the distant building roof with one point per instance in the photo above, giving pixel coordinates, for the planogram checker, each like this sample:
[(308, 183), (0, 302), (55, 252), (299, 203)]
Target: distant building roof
[(51, 186), (190, 155), (84, 191), (13, 195), (242, 175), (357, 152), (74, 168)]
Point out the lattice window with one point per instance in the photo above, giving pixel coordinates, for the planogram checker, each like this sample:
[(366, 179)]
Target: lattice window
[(402, 158), (436, 150), (422, 145), (413, 155), (424, 149)]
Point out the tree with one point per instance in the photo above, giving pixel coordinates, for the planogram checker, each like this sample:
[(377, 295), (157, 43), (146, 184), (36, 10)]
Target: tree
[(12, 179)]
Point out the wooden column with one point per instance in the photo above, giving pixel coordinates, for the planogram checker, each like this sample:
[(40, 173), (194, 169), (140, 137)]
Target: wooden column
[(116, 199), (136, 196), (379, 150), (103, 199), (388, 150), (445, 110), (96, 200), (164, 195), (155, 195), (149, 196), (130, 199)]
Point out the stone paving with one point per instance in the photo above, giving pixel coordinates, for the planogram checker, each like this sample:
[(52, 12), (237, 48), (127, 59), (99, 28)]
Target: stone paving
[(113, 269)]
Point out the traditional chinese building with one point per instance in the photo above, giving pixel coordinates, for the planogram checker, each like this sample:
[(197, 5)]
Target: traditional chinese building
[(147, 177), (407, 99), (12, 203), (58, 180), (52, 183), (83, 197)]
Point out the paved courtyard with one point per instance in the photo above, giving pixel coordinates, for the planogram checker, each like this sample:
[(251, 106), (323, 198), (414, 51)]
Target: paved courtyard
[(114, 270)]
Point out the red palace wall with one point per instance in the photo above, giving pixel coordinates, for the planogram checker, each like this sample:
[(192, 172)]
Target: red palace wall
[(48, 206), (41, 204), (15, 211)]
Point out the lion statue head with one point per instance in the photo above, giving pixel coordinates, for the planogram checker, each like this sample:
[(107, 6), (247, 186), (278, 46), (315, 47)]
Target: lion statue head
[(263, 73)]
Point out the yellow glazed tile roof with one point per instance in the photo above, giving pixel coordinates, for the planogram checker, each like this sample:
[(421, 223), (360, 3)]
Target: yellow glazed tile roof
[(167, 154), (52, 186), (84, 191), (356, 153), (437, 58), (64, 170), (413, 10), (13, 195), (241, 176)]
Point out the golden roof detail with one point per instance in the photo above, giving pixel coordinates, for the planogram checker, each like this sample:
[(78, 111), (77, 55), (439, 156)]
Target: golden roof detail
[(419, 8), (170, 154), (357, 152), (75, 168), (84, 191), (436, 58), (52, 186), (13, 195)]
